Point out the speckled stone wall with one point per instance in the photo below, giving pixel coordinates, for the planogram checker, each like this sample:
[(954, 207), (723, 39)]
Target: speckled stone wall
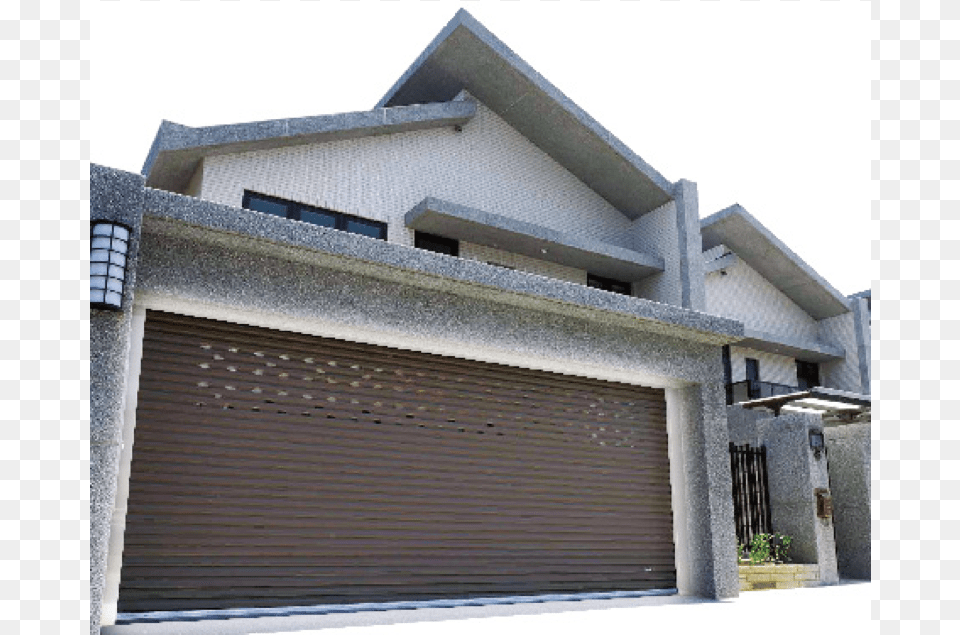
[(710, 540), (261, 282), (118, 196), (848, 454), (793, 474)]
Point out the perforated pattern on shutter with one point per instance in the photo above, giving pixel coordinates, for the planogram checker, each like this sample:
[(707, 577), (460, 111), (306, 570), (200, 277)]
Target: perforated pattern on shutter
[(277, 469)]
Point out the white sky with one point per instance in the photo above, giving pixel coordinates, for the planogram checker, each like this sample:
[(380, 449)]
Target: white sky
[(763, 104)]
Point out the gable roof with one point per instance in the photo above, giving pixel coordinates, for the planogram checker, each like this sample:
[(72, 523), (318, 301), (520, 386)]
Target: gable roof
[(465, 55), (177, 150), (758, 247)]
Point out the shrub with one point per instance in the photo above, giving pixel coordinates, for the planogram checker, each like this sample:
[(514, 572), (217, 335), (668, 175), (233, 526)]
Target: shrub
[(767, 548)]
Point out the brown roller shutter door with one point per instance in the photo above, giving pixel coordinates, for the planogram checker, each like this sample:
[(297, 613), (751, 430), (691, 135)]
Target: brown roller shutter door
[(277, 469)]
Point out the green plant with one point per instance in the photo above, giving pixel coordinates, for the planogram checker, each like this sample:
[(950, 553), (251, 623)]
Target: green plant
[(767, 548)]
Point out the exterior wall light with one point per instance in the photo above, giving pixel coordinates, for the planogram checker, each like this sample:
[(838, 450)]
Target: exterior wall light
[(816, 442), (109, 242)]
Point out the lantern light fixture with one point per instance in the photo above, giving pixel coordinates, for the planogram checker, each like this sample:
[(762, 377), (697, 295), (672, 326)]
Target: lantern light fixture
[(816, 442), (109, 244)]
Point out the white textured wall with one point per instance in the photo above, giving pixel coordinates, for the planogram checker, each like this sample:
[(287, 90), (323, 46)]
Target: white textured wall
[(745, 295), (472, 251), (489, 166), (843, 374), (656, 233), (777, 369)]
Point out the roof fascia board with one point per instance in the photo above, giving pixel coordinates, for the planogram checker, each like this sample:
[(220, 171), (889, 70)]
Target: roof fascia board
[(177, 148), (554, 97), (190, 216), (713, 230)]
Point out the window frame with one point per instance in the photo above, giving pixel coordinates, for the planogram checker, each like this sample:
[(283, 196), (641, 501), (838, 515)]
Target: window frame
[(607, 284), (294, 211)]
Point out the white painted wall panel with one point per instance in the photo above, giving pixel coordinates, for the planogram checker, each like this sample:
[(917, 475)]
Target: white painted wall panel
[(743, 294), (656, 233), (489, 166), (776, 369)]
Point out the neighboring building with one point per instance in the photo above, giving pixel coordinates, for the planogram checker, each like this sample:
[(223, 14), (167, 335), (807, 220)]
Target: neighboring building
[(800, 331), (462, 345)]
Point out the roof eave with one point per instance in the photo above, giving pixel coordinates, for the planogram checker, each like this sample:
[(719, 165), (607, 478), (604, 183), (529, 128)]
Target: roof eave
[(770, 257), (177, 149), (465, 55)]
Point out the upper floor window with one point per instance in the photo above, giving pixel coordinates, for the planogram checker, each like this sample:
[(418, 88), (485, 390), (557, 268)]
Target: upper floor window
[(808, 375), (315, 215), (439, 244), (608, 284)]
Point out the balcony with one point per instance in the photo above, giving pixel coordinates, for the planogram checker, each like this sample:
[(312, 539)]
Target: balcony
[(754, 389)]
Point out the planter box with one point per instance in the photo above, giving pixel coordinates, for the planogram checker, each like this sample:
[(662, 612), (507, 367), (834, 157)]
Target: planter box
[(755, 577)]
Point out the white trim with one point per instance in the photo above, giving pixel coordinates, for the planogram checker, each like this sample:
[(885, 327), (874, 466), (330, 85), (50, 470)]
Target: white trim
[(676, 452), (118, 523)]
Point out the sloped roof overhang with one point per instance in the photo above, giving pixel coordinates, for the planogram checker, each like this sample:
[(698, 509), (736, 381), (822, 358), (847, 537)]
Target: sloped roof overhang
[(177, 150), (798, 348), (535, 241), (758, 247), (465, 55)]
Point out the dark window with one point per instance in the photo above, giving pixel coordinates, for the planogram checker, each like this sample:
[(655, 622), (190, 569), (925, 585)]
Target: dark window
[(608, 284), (753, 378), (808, 375), (314, 215), (439, 244)]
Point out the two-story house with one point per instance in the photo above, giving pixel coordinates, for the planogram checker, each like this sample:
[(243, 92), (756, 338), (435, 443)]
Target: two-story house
[(800, 331), (462, 347)]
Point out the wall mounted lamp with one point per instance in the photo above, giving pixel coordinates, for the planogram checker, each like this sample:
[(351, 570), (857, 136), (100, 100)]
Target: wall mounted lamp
[(109, 243), (816, 442)]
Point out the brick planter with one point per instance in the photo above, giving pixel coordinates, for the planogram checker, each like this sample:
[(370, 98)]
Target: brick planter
[(755, 577)]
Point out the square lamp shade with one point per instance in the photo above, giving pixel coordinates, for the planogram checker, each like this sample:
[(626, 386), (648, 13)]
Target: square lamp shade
[(109, 243)]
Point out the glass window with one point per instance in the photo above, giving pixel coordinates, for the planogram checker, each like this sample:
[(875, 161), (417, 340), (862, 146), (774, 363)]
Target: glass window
[(314, 215), (318, 217), (259, 204), (365, 228)]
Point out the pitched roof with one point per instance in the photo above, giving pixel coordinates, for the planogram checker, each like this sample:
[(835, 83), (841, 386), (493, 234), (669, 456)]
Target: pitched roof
[(177, 149), (771, 258), (465, 55)]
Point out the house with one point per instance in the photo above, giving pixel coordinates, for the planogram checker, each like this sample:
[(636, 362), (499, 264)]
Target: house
[(806, 351), (458, 346)]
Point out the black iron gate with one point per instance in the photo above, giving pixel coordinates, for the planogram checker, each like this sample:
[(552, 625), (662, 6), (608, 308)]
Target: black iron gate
[(751, 498)]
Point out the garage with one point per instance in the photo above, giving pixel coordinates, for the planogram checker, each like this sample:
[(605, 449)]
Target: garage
[(276, 469)]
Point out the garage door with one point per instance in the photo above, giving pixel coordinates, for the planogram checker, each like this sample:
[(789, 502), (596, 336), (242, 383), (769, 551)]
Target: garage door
[(277, 469)]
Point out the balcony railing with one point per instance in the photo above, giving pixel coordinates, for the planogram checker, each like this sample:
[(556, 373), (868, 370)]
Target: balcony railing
[(754, 389)]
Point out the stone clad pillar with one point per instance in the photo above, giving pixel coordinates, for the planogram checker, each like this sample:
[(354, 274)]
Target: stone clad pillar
[(118, 196), (793, 474)]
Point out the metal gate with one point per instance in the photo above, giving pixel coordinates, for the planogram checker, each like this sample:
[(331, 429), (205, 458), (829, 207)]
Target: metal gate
[(751, 496)]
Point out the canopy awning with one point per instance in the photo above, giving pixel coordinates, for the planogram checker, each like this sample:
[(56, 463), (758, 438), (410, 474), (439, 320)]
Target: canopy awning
[(838, 407)]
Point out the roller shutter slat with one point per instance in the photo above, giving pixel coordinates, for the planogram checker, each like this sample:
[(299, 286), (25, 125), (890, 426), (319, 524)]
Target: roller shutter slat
[(250, 507)]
